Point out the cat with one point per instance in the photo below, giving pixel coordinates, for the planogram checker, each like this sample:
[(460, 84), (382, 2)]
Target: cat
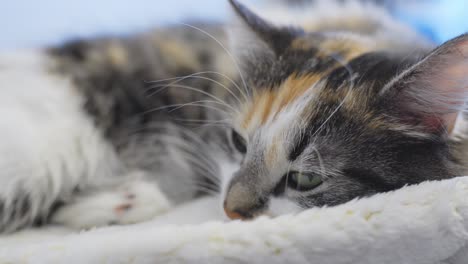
[(315, 106)]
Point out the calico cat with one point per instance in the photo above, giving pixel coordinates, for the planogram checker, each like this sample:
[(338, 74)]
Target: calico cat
[(315, 106)]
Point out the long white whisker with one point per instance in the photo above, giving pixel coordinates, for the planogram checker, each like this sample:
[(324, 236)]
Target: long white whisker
[(236, 64), (322, 166), (208, 164), (287, 178), (220, 84), (196, 103), (206, 121), (177, 80), (204, 93), (178, 77), (196, 75), (199, 103)]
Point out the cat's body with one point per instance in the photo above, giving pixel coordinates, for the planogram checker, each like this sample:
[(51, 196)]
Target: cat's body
[(103, 131), (88, 115)]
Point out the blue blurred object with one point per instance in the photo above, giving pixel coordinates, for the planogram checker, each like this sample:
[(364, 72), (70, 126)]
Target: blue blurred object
[(440, 20), (29, 23)]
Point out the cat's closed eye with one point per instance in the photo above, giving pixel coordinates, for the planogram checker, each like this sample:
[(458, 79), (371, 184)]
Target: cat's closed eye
[(302, 181), (239, 142), (298, 181)]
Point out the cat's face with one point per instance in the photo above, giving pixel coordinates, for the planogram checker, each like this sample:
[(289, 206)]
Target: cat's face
[(324, 119)]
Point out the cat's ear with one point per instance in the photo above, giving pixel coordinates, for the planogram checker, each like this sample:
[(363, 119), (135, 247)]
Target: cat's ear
[(251, 33), (433, 91)]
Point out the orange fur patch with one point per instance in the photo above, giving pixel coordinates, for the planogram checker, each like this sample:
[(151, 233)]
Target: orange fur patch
[(269, 102)]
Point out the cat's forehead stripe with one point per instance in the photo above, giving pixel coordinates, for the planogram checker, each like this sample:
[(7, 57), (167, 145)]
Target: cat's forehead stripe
[(267, 103)]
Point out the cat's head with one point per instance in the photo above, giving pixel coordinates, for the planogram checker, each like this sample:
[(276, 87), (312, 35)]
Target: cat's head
[(324, 119)]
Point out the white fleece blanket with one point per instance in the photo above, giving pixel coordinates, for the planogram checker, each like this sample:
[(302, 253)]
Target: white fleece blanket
[(425, 224)]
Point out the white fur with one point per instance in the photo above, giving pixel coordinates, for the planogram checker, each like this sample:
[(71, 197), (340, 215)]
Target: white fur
[(227, 170), (132, 202), (460, 130), (282, 206), (49, 146)]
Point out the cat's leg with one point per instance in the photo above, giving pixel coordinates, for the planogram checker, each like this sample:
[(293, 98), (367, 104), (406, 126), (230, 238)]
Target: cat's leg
[(134, 200)]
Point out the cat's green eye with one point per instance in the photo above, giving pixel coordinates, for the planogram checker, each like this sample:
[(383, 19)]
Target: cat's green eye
[(304, 181), (239, 142)]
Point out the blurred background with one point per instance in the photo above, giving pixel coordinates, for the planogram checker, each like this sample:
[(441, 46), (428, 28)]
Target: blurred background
[(28, 23)]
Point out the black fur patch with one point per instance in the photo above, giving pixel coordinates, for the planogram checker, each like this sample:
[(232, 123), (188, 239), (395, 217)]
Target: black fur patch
[(119, 97)]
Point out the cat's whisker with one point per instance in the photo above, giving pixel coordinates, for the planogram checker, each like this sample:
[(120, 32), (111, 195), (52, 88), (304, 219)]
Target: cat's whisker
[(183, 145), (187, 87), (222, 85), (203, 121), (236, 64), (207, 165), (190, 88), (189, 76), (206, 171), (213, 143), (197, 138), (203, 184), (196, 103), (186, 132), (196, 76), (211, 174), (177, 77), (234, 83), (164, 86), (205, 187), (213, 125), (209, 184), (287, 178), (206, 184), (319, 157), (206, 190)]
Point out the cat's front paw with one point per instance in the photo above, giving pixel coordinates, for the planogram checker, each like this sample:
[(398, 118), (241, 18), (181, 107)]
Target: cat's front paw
[(133, 202), (144, 201)]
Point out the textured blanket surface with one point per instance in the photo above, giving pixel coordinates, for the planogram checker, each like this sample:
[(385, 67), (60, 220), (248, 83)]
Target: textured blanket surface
[(424, 224)]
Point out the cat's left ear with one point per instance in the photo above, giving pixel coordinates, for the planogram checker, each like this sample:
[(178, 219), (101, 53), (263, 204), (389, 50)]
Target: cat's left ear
[(253, 34), (435, 90)]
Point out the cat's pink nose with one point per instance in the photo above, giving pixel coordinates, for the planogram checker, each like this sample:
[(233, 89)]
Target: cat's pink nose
[(236, 213), (242, 203), (233, 215)]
